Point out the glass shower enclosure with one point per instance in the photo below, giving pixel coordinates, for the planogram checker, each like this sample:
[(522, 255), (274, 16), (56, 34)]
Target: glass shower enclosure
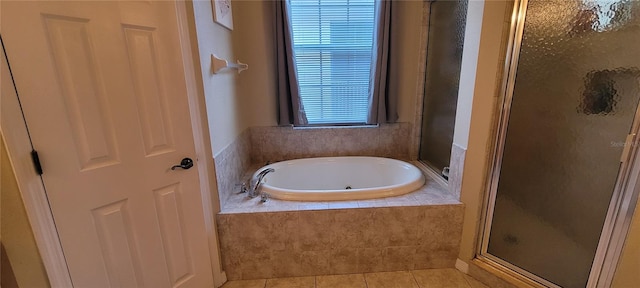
[(444, 59), (566, 129)]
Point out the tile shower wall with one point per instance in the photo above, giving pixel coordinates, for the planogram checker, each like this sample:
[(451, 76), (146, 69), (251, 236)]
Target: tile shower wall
[(284, 143), (456, 167), (231, 164), (342, 241)]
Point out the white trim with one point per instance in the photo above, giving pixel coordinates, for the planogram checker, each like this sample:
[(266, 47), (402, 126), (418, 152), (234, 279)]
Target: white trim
[(202, 141), (462, 266), (31, 186)]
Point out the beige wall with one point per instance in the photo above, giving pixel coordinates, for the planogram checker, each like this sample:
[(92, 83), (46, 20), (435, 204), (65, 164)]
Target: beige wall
[(406, 27), (492, 16), (253, 43), (15, 231), (224, 109)]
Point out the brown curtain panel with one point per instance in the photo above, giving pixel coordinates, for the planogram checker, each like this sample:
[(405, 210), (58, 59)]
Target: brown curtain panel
[(383, 107), (290, 108)]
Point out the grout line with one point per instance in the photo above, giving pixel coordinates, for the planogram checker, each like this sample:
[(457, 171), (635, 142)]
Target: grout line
[(414, 278), (366, 284), (463, 277), (466, 280)]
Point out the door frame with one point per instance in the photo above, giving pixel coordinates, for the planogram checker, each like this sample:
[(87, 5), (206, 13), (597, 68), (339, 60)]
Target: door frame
[(624, 197), (18, 145)]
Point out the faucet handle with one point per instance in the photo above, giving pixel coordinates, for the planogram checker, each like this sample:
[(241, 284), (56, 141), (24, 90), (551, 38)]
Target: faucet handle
[(243, 187)]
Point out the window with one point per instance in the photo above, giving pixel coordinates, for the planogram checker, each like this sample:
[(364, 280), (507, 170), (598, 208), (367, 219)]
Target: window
[(332, 43)]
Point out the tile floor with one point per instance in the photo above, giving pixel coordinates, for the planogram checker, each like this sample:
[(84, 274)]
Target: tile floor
[(431, 278)]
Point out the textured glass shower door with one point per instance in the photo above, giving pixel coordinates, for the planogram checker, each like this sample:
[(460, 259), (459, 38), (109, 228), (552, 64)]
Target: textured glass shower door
[(444, 59), (573, 104)]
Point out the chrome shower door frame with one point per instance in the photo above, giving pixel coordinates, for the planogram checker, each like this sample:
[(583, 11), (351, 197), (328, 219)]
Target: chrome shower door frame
[(623, 200)]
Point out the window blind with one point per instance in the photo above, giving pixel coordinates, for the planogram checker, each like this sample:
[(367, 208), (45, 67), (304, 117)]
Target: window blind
[(332, 43)]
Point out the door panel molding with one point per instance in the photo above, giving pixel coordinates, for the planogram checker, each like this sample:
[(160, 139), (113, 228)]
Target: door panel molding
[(149, 90), (176, 245), (84, 91), (118, 245)]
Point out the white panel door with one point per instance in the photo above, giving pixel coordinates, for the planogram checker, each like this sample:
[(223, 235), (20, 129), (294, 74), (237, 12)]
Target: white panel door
[(104, 95)]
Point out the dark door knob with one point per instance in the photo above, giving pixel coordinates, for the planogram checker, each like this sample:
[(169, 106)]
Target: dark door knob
[(186, 163)]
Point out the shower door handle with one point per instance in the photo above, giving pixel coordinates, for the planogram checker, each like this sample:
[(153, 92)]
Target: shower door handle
[(186, 163)]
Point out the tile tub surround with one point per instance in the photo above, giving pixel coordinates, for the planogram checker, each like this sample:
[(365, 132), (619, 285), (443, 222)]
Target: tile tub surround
[(286, 143), (432, 193), (231, 164), (259, 145), (456, 168), (339, 241)]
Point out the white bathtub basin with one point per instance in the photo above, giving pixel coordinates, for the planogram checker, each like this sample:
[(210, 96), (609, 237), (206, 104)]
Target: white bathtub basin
[(340, 178)]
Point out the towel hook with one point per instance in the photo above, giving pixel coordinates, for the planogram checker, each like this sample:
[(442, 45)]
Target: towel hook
[(218, 64)]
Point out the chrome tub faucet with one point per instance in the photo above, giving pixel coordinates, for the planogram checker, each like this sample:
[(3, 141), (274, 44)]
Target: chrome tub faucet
[(255, 190)]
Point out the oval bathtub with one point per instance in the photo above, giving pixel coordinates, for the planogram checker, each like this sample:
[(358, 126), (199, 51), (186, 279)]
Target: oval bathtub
[(340, 178)]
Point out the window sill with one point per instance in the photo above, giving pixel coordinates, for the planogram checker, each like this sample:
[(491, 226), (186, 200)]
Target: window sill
[(335, 126)]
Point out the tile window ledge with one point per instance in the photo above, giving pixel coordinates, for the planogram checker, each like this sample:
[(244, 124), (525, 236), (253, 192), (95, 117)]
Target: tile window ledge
[(335, 126)]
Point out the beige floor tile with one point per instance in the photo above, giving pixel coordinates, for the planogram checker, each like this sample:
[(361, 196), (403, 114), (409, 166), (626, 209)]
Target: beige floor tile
[(440, 278), (474, 283), (245, 284), (401, 279), (292, 282), (342, 281)]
